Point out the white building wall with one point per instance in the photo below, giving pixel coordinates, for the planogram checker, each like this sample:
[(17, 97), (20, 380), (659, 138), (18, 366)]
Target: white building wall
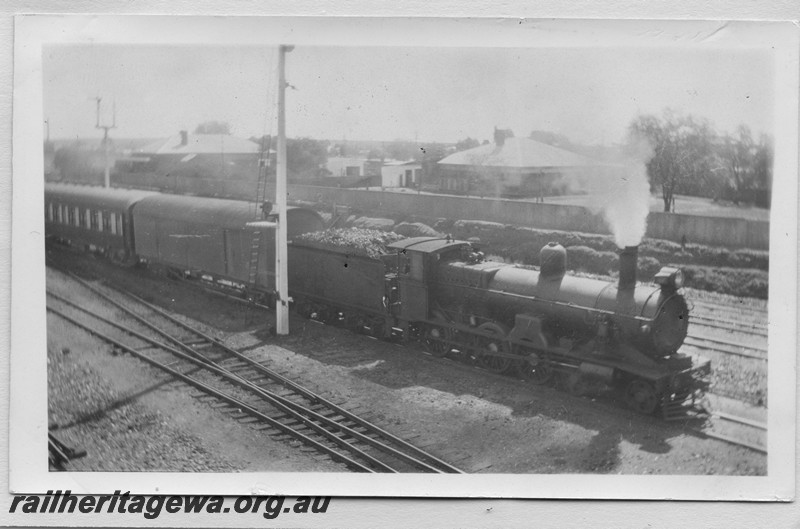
[(399, 176)]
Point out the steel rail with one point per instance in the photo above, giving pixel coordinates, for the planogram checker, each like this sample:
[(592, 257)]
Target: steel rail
[(697, 342), (728, 308), (718, 323), (703, 337), (740, 420), (733, 441)]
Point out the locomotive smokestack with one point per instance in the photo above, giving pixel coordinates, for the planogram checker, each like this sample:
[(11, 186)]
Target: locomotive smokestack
[(628, 258)]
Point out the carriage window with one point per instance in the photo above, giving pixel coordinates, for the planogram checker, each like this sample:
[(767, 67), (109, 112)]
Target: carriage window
[(70, 215), (59, 213), (120, 230), (50, 211), (94, 220), (106, 221), (87, 220), (76, 216), (113, 223)]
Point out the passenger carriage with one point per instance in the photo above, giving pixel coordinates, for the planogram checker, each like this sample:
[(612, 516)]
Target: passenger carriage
[(92, 218), (209, 238)]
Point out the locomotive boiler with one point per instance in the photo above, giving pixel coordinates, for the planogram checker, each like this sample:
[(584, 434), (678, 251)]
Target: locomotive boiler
[(652, 319)]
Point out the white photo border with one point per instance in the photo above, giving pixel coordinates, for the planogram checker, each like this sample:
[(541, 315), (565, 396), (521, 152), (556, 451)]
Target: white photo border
[(28, 411)]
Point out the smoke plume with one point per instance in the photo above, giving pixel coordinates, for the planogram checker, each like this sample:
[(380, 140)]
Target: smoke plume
[(621, 192)]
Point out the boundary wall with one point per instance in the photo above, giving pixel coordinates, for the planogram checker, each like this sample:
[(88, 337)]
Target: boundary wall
[(715, 231)]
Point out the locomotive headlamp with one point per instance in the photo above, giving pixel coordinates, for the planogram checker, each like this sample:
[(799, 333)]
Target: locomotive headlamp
[(669, 277)]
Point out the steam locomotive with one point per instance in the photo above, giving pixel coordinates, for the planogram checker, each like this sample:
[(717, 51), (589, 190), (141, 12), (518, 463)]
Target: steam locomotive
[(438, 293)]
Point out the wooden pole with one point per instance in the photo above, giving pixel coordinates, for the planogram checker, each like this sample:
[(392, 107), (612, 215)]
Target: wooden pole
[(281, 250)]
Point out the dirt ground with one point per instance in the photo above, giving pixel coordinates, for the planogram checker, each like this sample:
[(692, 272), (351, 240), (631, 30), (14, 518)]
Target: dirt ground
[(114, 407)]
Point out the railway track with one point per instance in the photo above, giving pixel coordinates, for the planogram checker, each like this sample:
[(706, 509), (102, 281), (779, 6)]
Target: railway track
[(728, 347), (724, 308), (735, 429), (739, 319), (755, 329), (245, 387)]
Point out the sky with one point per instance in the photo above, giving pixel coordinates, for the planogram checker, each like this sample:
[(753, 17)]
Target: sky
[(385, 93)]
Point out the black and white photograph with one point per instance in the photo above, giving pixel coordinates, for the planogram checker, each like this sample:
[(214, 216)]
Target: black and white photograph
[(437, 258)]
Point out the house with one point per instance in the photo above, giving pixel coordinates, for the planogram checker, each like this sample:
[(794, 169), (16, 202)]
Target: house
[(511, 167), (199, 155), (401, 174), (339, 166)]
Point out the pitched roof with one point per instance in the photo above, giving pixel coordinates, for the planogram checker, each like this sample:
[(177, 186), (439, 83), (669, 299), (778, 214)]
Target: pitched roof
[(202, 144), (395, 163), (519, 153)]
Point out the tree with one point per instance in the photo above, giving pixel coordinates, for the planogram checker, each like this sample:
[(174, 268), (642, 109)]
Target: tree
[(762, 165), (403, 150), (467, 144), (213, 127), (552, 138), (746, 164), (736, 155), (306, 157), (376, 154), (681, 151)]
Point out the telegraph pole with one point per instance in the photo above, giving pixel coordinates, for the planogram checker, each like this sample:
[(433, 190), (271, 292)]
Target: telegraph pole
[(281, 250), (106, 127)]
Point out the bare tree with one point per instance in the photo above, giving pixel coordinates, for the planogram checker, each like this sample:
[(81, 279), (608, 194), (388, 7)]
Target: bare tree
[(213, 127), (762, 167), (682, 148), (737, 154), (467, 143)]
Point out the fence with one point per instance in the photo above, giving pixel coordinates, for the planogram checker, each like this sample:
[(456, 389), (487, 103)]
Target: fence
[(717, 231)]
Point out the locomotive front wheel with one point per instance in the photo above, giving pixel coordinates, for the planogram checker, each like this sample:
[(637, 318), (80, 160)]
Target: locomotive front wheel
[(488, 346), (641, 397), (434, 341)]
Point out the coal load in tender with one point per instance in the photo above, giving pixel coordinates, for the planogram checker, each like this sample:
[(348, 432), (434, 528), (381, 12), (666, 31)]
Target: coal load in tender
[(358, 241)]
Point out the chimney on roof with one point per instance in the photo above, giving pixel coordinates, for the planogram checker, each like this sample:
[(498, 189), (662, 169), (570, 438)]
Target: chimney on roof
[(184, 138), (499, 137)]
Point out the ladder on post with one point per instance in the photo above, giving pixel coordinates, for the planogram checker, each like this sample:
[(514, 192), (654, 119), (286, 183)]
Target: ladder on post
[(261, 212)]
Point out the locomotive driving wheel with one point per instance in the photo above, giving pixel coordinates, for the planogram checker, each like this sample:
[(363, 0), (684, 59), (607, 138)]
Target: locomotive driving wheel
[(535, 369), (641, 396), (490, 344), (434, 341)]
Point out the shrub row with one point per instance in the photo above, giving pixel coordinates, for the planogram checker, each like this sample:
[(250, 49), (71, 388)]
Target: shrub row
[(741, 282), (496, 237)]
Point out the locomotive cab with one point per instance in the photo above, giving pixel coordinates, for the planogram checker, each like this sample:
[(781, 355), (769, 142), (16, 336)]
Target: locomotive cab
[(417, 262)]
